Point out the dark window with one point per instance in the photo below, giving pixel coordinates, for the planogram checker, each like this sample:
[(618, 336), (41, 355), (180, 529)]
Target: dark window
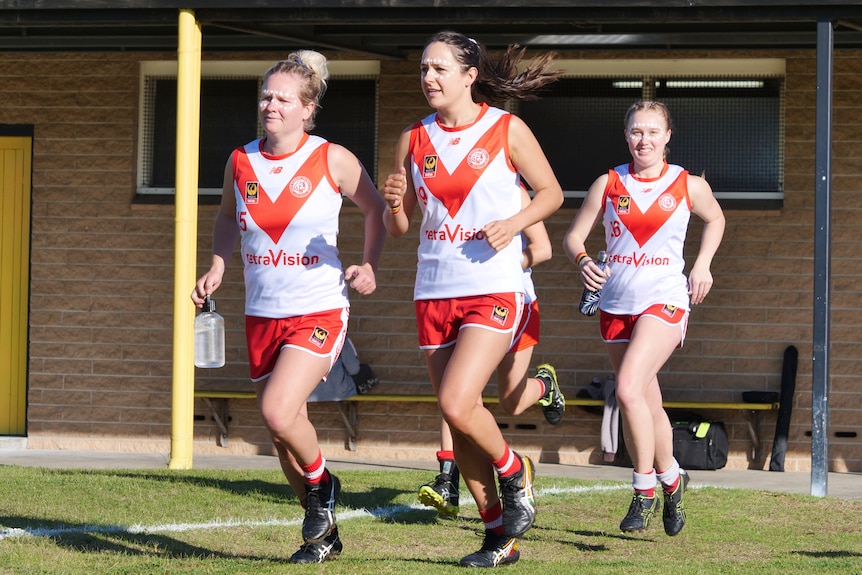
[(730, 130), (229, 119), (730, 135), (348, 116), (579, 123)]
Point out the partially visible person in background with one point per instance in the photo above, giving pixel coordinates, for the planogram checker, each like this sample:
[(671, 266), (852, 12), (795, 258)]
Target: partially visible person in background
[(282, 196), (517, 391)]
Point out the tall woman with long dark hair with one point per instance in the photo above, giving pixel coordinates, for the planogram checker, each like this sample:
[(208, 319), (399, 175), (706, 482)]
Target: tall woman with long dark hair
[(463, 165)]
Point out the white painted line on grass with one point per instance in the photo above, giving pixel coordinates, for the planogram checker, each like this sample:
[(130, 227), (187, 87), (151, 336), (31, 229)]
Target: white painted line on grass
[(386, 511)]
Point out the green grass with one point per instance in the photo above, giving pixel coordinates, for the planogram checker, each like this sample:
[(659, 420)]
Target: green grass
[(231, 522)]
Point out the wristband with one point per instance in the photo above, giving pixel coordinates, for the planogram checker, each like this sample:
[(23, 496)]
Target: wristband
[(580, 258), (395, 210)]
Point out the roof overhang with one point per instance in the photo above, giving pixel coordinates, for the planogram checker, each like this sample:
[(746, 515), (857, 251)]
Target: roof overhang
[(393, 28)]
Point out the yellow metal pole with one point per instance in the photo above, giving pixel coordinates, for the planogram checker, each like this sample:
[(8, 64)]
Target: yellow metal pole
[(185, 237)]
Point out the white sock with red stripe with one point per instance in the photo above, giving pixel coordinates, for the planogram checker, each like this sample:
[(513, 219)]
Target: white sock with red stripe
[(316, 472), (509, 464), (670, 479), (644, 483)]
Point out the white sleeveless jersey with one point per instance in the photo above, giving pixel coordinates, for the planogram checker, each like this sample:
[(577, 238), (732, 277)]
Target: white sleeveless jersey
[(645, 228), (287, 211), (463, 180)]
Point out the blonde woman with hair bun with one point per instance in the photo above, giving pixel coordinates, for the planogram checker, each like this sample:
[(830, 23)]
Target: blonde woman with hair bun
[(282, 197)]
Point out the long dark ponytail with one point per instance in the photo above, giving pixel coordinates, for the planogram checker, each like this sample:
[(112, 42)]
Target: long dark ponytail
[(498, 81)]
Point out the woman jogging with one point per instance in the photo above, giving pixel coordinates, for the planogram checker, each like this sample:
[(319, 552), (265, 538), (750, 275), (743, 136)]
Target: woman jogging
[(282, 196), (462, 166), (645, 207)]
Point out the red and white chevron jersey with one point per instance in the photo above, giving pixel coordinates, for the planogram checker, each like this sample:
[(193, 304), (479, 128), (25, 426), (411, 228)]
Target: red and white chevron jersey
[(645, 221), (287, 211), (463, 180)]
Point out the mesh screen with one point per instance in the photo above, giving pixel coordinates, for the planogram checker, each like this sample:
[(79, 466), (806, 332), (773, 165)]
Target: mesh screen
[(229, 119), (348, 116), (730, 131)]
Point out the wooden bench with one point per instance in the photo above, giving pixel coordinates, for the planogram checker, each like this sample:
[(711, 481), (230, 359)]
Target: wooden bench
[(348, 412)]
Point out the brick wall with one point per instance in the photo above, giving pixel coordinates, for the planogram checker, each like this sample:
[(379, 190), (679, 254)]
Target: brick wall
[(102, 273)]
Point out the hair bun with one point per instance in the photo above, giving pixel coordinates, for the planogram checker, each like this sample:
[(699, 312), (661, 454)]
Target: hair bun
[(315, 61)]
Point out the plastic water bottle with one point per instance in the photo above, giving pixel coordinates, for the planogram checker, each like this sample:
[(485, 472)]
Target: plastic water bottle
[(209, 336), (590, 299)]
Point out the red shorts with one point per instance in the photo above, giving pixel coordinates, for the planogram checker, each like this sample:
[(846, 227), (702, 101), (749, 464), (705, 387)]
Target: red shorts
[(527, 335), (321, 334), (618, 328), (440, 320)]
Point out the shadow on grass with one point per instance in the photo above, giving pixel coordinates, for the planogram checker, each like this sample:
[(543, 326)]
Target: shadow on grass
[(94, 538), (375, 497), (587, 546), (828, 554), (422, 516), (274, 492)]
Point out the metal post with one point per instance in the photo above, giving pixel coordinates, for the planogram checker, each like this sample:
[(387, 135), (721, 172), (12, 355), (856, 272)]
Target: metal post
[(186, 226), (822, 254)]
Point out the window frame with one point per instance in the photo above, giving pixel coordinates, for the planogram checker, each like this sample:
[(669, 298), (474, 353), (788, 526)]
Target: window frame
[(234, 69)]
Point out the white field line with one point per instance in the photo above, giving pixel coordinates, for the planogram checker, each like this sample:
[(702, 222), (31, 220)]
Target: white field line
[(344, 515)]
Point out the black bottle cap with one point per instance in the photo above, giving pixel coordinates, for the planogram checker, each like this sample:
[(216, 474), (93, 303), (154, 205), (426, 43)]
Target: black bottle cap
[(209, 304)]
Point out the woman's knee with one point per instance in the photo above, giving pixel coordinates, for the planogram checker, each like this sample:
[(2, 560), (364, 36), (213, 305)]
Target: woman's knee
[(629, 395), (278, 419), (457, 414)]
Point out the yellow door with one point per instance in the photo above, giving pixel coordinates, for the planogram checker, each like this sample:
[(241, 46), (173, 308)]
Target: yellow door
[(15, 158)]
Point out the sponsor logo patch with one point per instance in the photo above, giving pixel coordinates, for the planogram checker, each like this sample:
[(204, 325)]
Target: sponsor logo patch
[(252, 192), (318, 336), (624, 204), (429, 167), (500, 314)]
